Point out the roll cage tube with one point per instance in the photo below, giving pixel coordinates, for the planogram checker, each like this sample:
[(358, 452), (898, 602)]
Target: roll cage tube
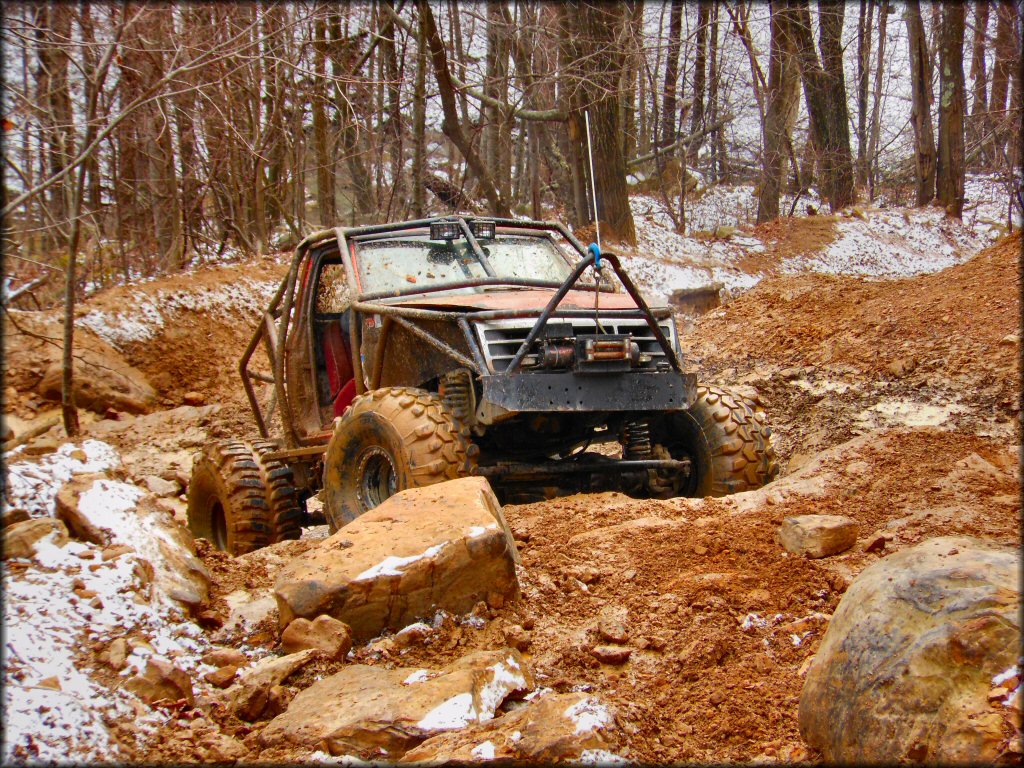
[(570, 281)]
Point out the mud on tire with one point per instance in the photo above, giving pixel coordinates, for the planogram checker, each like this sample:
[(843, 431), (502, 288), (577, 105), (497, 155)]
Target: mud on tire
[(386, 441), (728, 440), (239, 500)]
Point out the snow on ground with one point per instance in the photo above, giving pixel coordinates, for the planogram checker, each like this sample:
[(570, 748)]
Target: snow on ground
[(150, 312), (897, 243), (885, 241), (33, 486), (54, 711)]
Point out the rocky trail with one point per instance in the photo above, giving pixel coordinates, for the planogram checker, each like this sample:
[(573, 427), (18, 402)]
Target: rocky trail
[(629, 630)]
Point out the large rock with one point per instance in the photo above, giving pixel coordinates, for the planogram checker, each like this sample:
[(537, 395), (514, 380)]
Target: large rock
[(550, 729), (162, 681), (249, 698), (818, 535), (108, 512), (444, 546), (325, 633), (102, 382), (20, 539), (906, 665), (376, 712)]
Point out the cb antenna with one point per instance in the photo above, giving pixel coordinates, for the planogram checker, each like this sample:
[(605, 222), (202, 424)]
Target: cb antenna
[(593, 186)]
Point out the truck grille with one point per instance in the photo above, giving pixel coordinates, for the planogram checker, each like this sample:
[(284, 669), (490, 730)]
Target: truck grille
[(501, 339)]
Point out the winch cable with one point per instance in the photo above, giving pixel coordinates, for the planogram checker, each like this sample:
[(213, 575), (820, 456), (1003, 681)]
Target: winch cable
[(595, 250)]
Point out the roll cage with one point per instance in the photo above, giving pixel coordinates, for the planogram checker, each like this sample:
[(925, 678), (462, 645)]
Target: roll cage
[(282, 314)]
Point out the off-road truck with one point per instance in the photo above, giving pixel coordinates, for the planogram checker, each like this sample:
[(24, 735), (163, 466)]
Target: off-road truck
[(405, 354)]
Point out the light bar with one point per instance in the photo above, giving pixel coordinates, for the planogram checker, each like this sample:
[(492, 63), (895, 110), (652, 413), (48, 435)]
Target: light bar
[(482, 229), (445, 230)]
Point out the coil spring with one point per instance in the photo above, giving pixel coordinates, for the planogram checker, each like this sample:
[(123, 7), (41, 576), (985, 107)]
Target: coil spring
[(636, 440), (457, 395)]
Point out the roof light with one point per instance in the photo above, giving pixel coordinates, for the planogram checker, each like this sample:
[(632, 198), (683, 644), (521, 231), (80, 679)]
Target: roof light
[(445, 230), (483, 229)]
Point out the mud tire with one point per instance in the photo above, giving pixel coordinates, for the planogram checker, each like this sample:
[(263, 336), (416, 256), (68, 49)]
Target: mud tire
[(241, 501), (729, 442), (386, 441)]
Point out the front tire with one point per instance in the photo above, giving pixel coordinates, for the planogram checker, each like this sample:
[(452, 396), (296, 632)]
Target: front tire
[(386, 441), (728, 441), (240, 500)]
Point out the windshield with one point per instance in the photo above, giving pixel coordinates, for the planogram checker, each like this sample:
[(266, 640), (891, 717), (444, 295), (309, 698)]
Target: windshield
[(401, 264)]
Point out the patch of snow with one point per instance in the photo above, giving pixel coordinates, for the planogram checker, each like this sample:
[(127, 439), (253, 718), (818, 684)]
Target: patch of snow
[(601, 757), (391, 565), (507, 677), (419, 676), (456, 712), (48, 626), (1005, 675), (588, 715), (33, 485), (483, 751), (752, 620), (151, 312)]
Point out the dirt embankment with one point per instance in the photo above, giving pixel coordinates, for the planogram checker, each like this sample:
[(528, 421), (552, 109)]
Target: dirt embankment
[(835, 356)]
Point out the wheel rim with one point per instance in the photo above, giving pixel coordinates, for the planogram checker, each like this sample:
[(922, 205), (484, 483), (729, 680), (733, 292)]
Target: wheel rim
[(377, 478), (218, 527)]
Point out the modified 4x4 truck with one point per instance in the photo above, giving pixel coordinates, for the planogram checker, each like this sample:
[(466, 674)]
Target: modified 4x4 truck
[(405, 354)]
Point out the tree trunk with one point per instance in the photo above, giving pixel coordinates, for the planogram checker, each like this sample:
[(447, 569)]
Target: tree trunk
[(783, 104), (450, 125), (979, 91), (700, 66), (1001, 73), (825, 96), (419, 127), (323, 151), (597, 62), (876, 103), (921, 101), (668, 102), (863, 70), (952, 103), (717, 146)]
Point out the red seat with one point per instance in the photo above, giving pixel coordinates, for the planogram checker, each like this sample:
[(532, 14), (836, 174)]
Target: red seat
[(338, 361)]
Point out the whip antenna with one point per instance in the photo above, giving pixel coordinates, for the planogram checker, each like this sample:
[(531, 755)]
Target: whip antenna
[(593, 186)]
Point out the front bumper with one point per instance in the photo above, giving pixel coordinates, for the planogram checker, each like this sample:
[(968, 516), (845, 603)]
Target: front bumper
[(569, 391)]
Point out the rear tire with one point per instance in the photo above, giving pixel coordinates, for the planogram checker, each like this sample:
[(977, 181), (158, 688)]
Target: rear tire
[(386, 441), (241, 501), (727, 439)]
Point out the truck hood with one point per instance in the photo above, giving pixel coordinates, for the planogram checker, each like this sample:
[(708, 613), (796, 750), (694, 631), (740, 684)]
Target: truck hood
[(518, 299)]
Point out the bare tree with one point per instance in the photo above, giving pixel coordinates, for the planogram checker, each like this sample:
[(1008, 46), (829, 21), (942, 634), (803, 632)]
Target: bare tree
[(921, 101), (950, 172), (783, 103), (825, 96)]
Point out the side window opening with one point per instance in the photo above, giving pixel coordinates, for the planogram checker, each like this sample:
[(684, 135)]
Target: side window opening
[(331, 324)]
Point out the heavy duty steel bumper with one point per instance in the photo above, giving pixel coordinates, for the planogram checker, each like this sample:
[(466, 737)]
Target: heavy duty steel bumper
[(570, 391)]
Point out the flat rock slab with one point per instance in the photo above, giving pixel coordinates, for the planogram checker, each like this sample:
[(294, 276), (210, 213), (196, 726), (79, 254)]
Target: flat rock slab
[(905, 669), (445, 546), (818, 535), (382, 713)]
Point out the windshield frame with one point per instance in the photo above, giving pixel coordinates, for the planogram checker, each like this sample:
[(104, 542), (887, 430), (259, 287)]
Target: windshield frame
[(419, 230)]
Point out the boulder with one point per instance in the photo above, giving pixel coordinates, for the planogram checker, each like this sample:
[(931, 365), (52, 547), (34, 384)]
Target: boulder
[(158, 486), (221, 677), (224, 657), (818, 535), (611, 654), (325, 633), (445, 546), (249, 697), (11, 515), (109, 513), (906, 666), (20, 539), (383, 713), (161, 681), (552, 728), (102, 382)]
